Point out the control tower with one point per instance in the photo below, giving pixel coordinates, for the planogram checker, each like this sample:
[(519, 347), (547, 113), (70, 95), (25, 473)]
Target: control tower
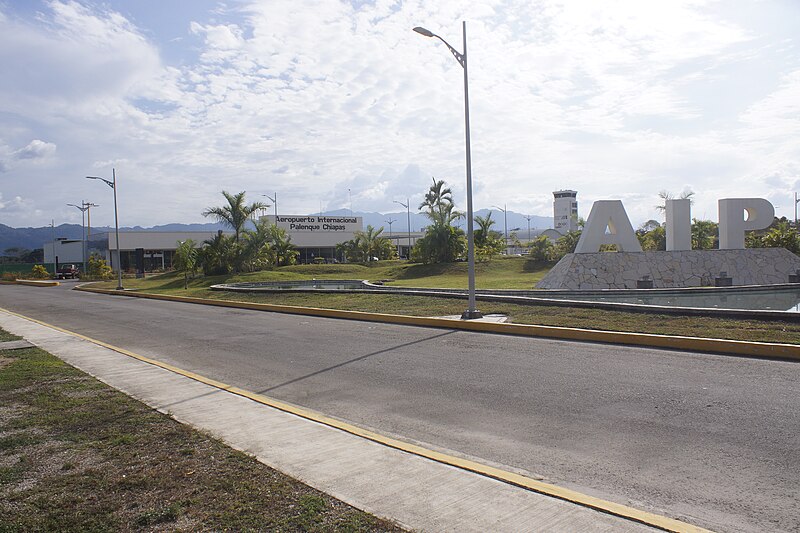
[(565, 211)]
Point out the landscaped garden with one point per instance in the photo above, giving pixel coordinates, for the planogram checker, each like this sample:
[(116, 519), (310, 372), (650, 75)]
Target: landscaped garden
[(501, 273)]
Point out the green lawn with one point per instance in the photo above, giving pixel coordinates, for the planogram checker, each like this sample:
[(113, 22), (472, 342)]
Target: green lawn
[(76, 455), (513, 272)]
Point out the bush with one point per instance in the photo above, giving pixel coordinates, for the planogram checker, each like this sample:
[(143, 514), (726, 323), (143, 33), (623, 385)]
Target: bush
[(9, 276), (98, 269), (39, 272)]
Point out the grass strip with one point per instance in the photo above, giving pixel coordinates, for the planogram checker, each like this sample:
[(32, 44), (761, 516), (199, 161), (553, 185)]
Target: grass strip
[(78, 455), (756, 330)]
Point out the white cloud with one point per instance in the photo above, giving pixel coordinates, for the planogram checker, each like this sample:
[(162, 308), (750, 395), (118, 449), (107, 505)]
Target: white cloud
[(36, 149), (311, 99)]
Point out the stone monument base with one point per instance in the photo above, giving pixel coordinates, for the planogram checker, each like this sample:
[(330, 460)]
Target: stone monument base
[(664, 270)]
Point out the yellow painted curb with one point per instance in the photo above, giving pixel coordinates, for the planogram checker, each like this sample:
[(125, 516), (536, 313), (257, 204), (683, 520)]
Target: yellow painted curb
[(37, 283), (675, 342), (616, 509)]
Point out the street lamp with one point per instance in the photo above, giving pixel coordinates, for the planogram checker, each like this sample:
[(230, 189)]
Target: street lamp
[(471, 312), (274, 200), (528, 218), (113, 185), (408, 220), (390, 222), (83, 207), (505, 224)]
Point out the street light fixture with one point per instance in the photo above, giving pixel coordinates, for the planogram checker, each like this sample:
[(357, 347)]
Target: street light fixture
[(472, 312), (390, 222), (83, 207), (113, 185), (528, 218), (274, 200), (407, 205), (505, 224)]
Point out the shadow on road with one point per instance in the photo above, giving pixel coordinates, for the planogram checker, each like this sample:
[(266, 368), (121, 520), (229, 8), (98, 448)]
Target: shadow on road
[(355, 360), (321, 371)]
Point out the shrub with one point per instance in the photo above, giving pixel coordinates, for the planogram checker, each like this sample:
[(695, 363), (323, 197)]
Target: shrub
[(98, 269), (39, 272), (9, 276)]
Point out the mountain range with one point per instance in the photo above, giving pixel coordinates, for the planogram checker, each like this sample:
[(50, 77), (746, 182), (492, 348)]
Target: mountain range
[(32, 238)]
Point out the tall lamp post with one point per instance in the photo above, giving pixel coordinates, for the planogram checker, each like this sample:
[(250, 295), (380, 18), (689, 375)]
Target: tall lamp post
[(505, 224), (528, 218), (83, 207), (390, 222), (407, 205), (113, 185), (472, 312), (274, 200)]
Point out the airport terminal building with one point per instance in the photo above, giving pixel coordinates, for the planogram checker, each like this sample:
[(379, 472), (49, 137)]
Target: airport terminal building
[(314, 236)]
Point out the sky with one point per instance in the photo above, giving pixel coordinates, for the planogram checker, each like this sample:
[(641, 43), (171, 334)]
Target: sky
[(339, 104)]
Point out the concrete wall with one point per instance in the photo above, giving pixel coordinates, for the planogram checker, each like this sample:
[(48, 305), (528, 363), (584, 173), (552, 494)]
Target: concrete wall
[(65, 251), (686, 268), (156, 240)]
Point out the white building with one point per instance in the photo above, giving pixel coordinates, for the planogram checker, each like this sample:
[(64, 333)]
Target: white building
[(565, 211), (63, 251), (146, 251)]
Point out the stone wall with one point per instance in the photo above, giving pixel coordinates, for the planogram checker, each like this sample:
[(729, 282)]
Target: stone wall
[(688, 268)]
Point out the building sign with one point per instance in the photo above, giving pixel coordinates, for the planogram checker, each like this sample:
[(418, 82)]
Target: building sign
[(324, 224), (317, 231)]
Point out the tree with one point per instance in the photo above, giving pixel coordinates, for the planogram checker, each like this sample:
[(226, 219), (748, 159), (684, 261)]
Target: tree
[(652, 236), (664, 195), (782, 235), (218, 254), (541, 249), (442, 243), (566, 244), (281, 250), (186, 260), (367, 245), (235, 214), (488, 242), (704, 234)]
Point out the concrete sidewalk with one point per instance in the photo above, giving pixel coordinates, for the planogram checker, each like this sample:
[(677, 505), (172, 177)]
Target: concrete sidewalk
[(418, 493)]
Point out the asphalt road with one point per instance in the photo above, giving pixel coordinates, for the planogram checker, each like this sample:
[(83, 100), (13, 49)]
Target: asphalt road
[(709, 439)]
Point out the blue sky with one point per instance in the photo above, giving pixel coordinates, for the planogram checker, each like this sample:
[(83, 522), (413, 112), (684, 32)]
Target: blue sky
[(617, 100)]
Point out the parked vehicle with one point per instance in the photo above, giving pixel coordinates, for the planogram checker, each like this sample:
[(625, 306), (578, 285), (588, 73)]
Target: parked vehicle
[(67, 272)]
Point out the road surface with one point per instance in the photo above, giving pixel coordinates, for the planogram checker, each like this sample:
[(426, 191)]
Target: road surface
[(709, 439)]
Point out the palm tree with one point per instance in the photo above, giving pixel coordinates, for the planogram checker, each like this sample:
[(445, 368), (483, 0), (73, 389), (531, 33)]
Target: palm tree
[(484, 228), (665, 195), (218, 254), (235, 214), (185, 260), (438, 202), (704, 233), (281, 247), (369, 241)]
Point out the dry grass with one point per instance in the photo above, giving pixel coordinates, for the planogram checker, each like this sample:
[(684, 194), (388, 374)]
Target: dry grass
[(76, 455)]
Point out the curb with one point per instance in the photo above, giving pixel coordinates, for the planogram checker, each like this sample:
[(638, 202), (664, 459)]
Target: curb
[(37, 283), (697, 344), (511, 478)]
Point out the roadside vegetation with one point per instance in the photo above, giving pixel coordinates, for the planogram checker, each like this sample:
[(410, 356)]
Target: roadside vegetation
[(502, 273), (76, 455)]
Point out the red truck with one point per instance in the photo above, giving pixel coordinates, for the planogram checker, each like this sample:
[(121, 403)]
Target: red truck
[(67, 272)]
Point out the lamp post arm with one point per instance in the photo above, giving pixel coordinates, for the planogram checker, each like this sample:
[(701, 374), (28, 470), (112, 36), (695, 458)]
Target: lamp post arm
[(461, 58)]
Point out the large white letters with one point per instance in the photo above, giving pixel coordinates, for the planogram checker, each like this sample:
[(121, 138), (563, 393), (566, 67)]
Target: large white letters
[(733, 224), (611, 215), (679, 224), (608, 223)]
